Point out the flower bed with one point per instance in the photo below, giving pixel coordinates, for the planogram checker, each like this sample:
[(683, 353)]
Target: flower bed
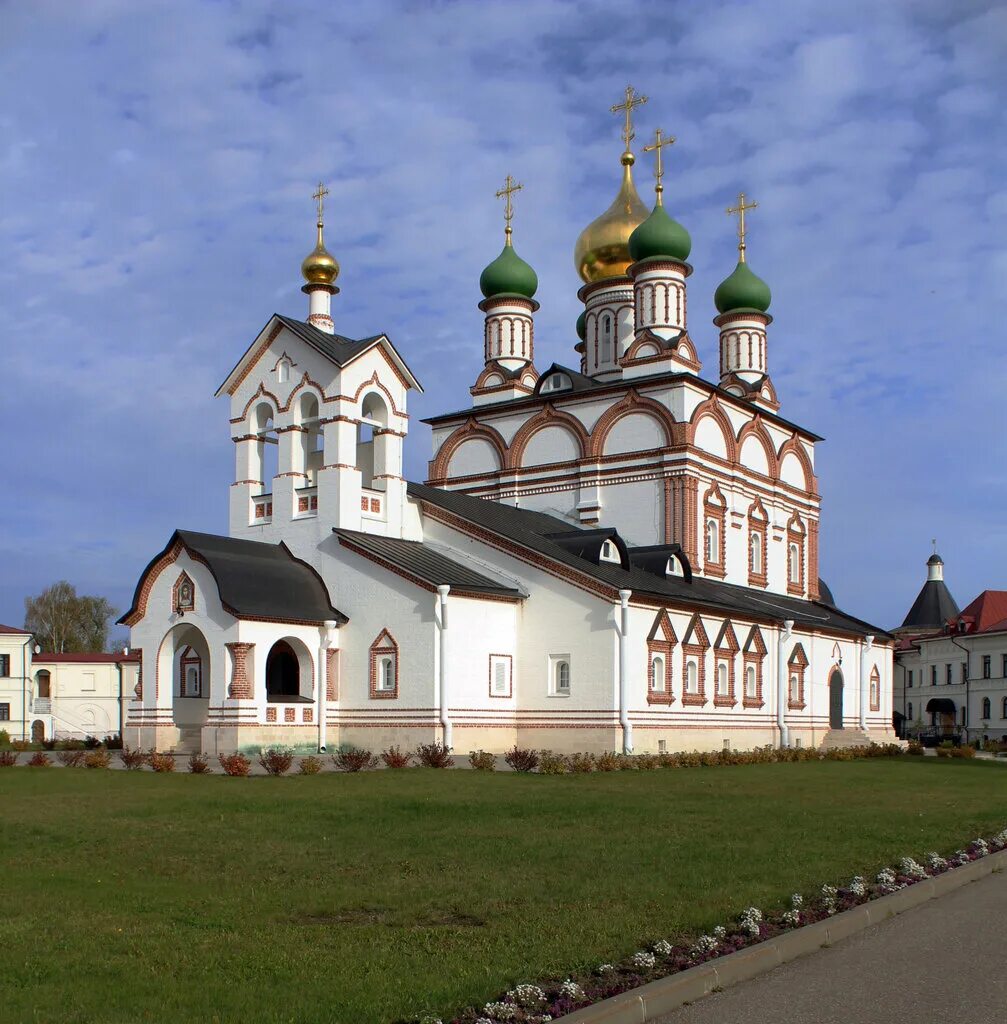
[(537, 1004)]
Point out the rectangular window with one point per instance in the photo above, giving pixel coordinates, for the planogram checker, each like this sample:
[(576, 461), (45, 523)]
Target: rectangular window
[(1003, 668), (500, 675), (933, 675), (4, 664), (662, 746), (559, 675), (947, 674), (87, 682), (910, 679), (4, 712), (965, 671), (987, 666)]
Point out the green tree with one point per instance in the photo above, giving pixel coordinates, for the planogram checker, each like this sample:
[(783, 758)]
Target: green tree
[(64, 622)]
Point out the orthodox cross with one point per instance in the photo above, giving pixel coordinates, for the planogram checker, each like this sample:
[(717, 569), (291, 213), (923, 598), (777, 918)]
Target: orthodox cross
[(319, 198), (740, 211), (934, 542), (633, 99), (510, 187), (659, 143)]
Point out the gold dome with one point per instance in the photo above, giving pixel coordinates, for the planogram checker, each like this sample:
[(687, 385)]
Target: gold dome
[(602, 249), (320, 266)]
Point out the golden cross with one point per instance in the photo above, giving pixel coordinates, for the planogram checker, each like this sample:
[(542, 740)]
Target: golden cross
[(633, 99), (740, 211), (659, 143), (510, 187), (319, 197)]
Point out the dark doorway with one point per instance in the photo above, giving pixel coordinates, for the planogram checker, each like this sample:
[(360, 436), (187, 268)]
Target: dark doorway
[(43, 684), (282, 671), (836, 699), (37, 731)]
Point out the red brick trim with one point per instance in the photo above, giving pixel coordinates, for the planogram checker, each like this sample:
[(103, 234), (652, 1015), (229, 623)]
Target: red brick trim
[(793, 445), (715, 508), (138, 688), (548, 417), (510, 674), (438, 468), (758, 525), (188, 660), (875, 689), (259, 352), (633, 403), (712, 407), (796, 534), (241, 680), (384, 645), (332, 673), (756, 428), (797, 664)]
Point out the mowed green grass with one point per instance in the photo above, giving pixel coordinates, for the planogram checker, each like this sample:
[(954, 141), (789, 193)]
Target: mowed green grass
[(364, 898)]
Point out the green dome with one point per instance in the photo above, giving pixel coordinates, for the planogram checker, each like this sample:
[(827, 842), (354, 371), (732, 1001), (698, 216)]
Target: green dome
[(508, 274), (659, 235), (742, 290), (582, 325)]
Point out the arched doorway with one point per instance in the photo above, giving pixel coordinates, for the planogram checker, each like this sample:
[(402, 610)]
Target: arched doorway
[(184, 659), (42, 684), (836, 699), (283, 673), (37, 731)]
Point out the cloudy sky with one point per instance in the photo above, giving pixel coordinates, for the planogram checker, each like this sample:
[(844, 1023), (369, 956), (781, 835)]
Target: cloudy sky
[(156, 166)]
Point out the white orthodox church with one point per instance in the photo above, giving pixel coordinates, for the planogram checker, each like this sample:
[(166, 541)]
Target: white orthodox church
[(616, 555)]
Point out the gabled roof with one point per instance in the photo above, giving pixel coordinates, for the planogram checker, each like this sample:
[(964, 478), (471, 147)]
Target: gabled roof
[(578, 381), (531, 531), (933, 607), (85, 658), (254, 580), (337, 348), (14, 631), (425, 564), (986, 614)]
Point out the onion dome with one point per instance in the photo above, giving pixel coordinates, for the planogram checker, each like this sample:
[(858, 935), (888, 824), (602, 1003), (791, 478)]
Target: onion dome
[(582, 325), (320, 266), (742, 290), (508, 274), (935, 559), (660, 235), (602, 250)]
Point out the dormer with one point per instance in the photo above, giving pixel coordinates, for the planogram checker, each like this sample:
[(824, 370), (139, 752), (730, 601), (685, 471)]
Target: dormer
[(597, 546), (664, 560)]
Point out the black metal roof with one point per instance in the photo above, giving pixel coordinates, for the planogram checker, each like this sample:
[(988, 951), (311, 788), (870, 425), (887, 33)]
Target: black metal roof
[(532, 530), (933, 606), (578, 381), (254, 580), (426, 563)]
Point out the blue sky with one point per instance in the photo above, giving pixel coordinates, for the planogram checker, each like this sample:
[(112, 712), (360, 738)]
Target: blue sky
[(156, 167)]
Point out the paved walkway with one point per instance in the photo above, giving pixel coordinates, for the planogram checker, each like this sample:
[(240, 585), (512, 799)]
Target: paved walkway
[(941, 962)]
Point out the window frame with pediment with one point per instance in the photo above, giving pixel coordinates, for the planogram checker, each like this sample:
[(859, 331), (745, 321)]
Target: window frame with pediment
[(753, 655), (797, 534), (715, 513), (724, 656), (661, 643), (797, 665), (758, 527), (694, 647)]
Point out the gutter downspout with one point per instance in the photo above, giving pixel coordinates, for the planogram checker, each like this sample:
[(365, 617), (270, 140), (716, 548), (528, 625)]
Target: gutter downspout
[(865, 648), (622, 631), (325, 632), (24, 688), (441, 617), (782, 682), (968, 677)]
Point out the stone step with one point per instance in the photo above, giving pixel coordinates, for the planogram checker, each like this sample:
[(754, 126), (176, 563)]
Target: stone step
[(836, 738)]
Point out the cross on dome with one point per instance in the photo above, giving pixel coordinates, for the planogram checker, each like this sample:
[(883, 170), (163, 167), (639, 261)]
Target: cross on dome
[(319, 198), (510, 187), (633, 99), (740, 211), (659, 143)]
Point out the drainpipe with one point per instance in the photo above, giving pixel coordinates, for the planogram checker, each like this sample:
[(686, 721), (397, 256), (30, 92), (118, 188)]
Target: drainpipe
[(865, 648), (441, 616), (782, 682), (968, 677), (24, 688), (622, 632), (325, 632)]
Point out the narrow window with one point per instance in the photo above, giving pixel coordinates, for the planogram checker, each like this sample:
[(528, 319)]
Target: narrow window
[(986, 707), (283, 371), (5, 713), (691, 677), (947, 674), (965, 671), (721, 679), (662, 746), (909, 712), (387, 678), (4, 664), (657, 676), (1003, 708), (1003, 667), (755, 552), (561, 676), (987, 666), (606, 338), (795, 562), (910, 679), (750, 681), (712, 541), (500, 679), (794, 687), (933, 675)]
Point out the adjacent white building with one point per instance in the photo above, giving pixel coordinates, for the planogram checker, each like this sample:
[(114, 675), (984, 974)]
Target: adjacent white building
[(617, 555)]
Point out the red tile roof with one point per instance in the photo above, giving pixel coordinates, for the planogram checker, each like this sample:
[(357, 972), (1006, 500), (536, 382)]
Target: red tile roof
[(987, 613), (86, 657), (12, 630)]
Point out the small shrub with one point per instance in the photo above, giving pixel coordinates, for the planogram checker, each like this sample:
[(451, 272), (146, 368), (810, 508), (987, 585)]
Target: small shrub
[(69, 745), (132, 760), (199, 764), (49, 744), (309, 765), (20, 745), (521, 759), (647, 762), (99, 757), (276, 760), (235, 764), (551, 764), (947, 744), (943, 751), (91, 742), (580, 763), (39, 760), (112, 742), (8, 758), (4, 738), (625, 762), (161, 762), (395, 758), (70, 758), (915, 748), (607, 762), (353, 759), (963, 751), (435, 755), (482, 761)]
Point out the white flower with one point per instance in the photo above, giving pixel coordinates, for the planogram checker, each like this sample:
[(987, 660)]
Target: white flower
[(643, 959), (430, 1020), (750, 920), (539, 1018), (935, 862), (960, 857), (720, 932), (483, 1020), (500, 1011), (981, 847), (662, 947), (528, 996), (829, 894), (571, 990), (797, 901), (792, 918), (704, 944), (1000, 839), (858, 886), (910, 867), (604, 968)]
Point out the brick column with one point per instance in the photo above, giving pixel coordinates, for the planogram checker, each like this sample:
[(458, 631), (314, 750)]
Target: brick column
[(241, 683), (813, 560), (138, 689), (332, 673)]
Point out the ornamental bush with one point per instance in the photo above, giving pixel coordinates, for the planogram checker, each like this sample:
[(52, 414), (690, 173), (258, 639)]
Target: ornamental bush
[(607, 762), (482, 762), (915, 748), (161, 762), (522, 759), (132, 760), (309, 765), (276, 760), (235, 764), (581, 763), (198, 763), (353, 759), (70, 758), (4, 738), (8, 758), (99, 757), (435, 755), (551, 764), (395, 758), (39, 760)]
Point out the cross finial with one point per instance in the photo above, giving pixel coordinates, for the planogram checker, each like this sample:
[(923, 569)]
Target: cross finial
[(633, 99), (319, 198), (740, 211), (934, 542), (659, 143), (507, 192)]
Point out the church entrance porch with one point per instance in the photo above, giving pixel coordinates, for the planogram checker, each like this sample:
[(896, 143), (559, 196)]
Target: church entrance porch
[(184, 659)]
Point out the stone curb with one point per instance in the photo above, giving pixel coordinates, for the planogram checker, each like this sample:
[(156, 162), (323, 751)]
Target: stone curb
[(657, 998)]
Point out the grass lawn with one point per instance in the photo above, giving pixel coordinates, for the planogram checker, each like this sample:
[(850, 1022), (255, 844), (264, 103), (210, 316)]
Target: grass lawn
[(363, 898)]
